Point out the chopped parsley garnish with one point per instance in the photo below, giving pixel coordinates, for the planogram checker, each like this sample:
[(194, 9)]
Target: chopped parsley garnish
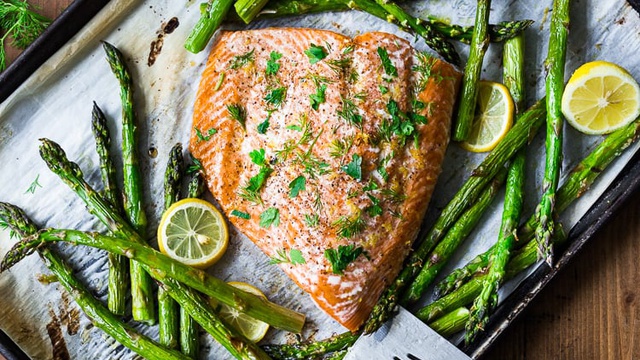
[(343, 256), (354, 168), (349, 226), (383, 89), (340, 147), (387, 64), (294, 257), (263, 126), (296, 185), (34, 185), (276, 96), (315, 53), (311, 220), (202, 137), (272, 64), (270, 217), (318, 98), (257, 157), (371, 186), (240, 214), (348, 112), (237, 113), (239, 61), (375, 209), (250, 191), (402, 124)]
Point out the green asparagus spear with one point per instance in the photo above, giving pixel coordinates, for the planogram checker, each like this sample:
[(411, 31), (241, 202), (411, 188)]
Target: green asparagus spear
[(249, 9), (469, 93), (142, 304), (451, 323), (168, 310), (207, 25), (99, 315), (516, 138), (465, 294), (488, 299), (281, 8), (252, 305), (577, 183), (118, 266), (189, 339), (314, 349), (434, 39), (554, 87), (455, 236)]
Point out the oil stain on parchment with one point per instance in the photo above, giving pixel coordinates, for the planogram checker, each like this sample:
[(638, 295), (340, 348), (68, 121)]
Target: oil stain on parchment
[(59, 346), (156, 45)]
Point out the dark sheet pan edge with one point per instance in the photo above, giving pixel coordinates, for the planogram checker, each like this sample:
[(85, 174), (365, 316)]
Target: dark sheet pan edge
[(61, 30), (616, 195)]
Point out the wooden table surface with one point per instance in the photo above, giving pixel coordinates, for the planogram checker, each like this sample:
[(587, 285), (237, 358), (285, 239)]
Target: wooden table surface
[(590, 311)]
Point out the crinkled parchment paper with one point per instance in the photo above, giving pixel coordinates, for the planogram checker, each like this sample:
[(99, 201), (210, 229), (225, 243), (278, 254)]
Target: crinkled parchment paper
[(56, 103)]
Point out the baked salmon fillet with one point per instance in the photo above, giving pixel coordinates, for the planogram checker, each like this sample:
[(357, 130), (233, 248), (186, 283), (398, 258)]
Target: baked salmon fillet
[(324, 151)]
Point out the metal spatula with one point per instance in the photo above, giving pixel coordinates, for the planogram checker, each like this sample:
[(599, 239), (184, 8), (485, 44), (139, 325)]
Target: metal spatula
[(404, 337)]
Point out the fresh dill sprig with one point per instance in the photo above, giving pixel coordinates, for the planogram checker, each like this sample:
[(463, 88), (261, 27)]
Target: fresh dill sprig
[(340, 147), (424, 69), (302, 125), (21, 24), (276, 96), (349, 112), (348, 227), (34, 185), (239, 61), (311, 220), (238, 113), (394, 196)]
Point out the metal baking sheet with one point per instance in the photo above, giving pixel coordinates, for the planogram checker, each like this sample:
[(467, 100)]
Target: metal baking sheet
[(61, 91)]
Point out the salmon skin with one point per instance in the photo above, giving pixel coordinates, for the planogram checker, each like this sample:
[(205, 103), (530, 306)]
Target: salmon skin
[(324, 151)]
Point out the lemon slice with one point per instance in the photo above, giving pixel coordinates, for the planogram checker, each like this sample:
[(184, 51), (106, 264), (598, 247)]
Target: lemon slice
[(193, 232), (251, 328), (600, 97), (493, 117)]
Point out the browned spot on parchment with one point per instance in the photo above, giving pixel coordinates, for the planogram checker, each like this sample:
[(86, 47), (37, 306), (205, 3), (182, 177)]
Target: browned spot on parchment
[(156, 45), (69, 315), (58, 344)]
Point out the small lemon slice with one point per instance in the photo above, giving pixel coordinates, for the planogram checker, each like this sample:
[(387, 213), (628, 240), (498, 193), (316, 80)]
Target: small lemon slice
[(493, 117), (193, 232), (251, 328), (600, 98)]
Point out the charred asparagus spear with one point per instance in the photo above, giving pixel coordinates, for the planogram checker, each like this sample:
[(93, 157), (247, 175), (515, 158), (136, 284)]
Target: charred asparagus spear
[(281, 8), (455, 236), (451, 323), (554, 87), (142, 303), (577, 183), (168, 310), (469, 93), (252, 305), (189, 338), (488, 299), (99, 315), (528, 124), (118, 265), (314, 349), (209, 21)]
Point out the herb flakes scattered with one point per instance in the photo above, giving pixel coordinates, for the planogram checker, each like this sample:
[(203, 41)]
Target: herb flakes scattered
[(270, 217), (354, 168), (387, 64), (240, 214), (272, 64), (311, 220), (296, 185), (348, 227), (318, 98), (315, 53), (202, 137), (343, 256), (237, 113), (276, 96), (294, 257), (239, 61), (34, 185)]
